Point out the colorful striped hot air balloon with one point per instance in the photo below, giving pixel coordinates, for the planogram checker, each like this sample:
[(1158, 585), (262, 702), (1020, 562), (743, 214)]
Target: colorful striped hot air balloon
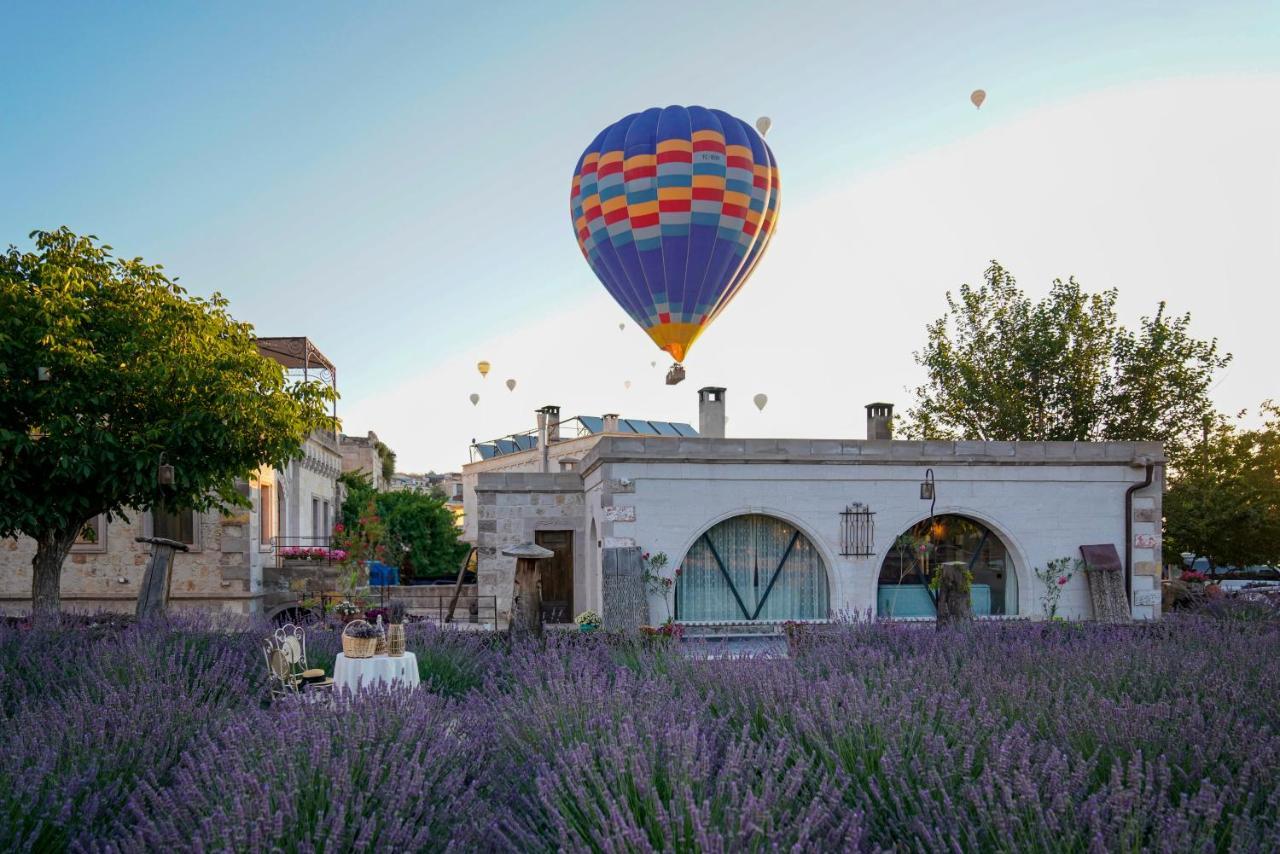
[(673, 209)]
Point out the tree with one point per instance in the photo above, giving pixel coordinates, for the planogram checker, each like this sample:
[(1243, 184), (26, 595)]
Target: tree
[(106, 367), (388, 459), (1001, 366), (421, 537), (1223, 502)]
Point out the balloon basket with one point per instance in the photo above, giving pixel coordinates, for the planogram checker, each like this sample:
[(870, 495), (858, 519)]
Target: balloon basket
[(676, 374)]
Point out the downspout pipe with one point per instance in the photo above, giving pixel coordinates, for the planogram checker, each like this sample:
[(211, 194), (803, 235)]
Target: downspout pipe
[(1128, 527)]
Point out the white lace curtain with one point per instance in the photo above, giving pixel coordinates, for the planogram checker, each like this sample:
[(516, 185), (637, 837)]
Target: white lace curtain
[(751, 549)]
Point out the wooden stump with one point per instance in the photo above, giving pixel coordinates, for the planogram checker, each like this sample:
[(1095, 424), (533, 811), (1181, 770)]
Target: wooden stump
[(953, 594), (526, 603), (153, 597)]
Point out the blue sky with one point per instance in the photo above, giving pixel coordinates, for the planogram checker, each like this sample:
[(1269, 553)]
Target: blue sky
[(392, 179)]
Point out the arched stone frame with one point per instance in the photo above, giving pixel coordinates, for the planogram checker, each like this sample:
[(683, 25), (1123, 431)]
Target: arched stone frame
[(835, 593), (1021, 566)]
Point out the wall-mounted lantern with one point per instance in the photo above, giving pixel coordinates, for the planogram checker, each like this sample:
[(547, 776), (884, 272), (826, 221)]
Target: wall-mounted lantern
[(926, 486), (164, 473), (44, 374)]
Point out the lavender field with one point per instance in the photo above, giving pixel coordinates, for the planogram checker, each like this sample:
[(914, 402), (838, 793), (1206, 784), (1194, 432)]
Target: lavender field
[(1014, 737)]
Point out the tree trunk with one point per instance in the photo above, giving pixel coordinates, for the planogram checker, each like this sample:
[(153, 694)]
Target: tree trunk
[(953, 595), (46, 571), (527, 619)]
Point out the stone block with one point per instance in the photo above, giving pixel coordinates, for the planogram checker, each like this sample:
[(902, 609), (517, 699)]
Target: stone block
[(622, 513), (1145, 514), (1146, 567), (621, 486), (936, 448), (825, 447), (488, 526), (619, 542)]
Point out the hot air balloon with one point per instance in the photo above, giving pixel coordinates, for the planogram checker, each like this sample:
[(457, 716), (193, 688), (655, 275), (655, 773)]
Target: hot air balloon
[(475, 398), (627, 384), (978, 96), (511, 385), (673, 209), (621, 326), (483, 368), (763, 124), (761, 400), (653, 364)]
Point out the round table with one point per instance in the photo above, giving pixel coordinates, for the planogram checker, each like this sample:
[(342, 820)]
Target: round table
[(355, 673)]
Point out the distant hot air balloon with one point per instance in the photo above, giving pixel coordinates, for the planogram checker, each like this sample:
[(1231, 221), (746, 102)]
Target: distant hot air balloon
[(475, 398), (978, 97), (761, 400), (622, 326), (673, 209), (627, 384), (483, 368), (511, 385), (763, 124), (653, 364)]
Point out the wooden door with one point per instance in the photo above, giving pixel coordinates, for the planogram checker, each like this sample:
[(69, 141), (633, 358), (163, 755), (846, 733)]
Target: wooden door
[(557, 576)]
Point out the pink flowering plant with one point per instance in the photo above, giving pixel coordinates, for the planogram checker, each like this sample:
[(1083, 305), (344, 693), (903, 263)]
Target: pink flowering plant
[(1054, 576)]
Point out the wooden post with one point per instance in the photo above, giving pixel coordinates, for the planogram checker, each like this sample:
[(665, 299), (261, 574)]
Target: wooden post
[(953, 594), (153, 597), (526, 604)]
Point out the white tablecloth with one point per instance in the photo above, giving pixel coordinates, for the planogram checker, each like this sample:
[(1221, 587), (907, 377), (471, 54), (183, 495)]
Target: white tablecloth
[(354, 672)]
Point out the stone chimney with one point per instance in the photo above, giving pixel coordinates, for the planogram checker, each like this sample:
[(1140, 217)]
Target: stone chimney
[(611, 423), (711, 412), (551, 414), (879, 420)]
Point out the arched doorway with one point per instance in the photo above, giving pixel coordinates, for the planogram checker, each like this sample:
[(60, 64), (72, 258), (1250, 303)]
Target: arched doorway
[(752, 567), (903, 589)]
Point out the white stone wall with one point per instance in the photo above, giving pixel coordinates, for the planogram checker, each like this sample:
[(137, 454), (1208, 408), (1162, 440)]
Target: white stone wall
[(526, 461), (1044, 500)]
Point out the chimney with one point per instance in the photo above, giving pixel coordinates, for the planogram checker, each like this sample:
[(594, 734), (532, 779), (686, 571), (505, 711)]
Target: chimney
[(611, 423), (552, 414), (879, 420), (543, 446), (711, 412)]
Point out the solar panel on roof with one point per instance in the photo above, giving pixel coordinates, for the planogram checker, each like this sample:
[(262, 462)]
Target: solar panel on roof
[(486, 452), (664, 429), (641, 427), (526, 443), (506, 446), (624, 426), (684, 429), (592, 423)]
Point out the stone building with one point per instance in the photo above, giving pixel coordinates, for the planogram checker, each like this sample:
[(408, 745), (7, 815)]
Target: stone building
[(231, 555), (768, 530), (360, 454)]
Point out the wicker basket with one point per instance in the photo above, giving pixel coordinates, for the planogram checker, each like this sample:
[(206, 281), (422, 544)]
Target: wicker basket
[(358, 647), (395, 640)]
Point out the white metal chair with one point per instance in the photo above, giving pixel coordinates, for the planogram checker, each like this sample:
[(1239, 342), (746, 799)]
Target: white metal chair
[(286, 654)]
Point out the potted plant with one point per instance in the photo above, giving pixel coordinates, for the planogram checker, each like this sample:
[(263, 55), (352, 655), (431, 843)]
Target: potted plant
[(346, 611), (588, 621)]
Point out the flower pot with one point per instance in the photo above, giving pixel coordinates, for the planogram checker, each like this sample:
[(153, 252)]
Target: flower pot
[(588, 627)]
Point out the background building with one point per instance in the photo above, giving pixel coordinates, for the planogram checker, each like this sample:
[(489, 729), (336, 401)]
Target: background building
[(224, 569)]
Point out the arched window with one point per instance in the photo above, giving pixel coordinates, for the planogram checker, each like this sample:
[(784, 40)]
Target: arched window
[(904, 575), (752, 568)]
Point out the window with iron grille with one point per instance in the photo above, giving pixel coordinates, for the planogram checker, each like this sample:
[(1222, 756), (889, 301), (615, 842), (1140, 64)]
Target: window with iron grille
[(857, 531)]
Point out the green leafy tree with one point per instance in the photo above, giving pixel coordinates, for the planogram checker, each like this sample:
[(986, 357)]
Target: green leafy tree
[(1223, 502), (388, 459), (1001, 366), (359, 491), (105, 365), (421, 531)]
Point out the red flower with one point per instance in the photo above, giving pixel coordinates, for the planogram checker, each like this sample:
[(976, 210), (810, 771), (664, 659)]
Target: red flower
[(339, 528), (1062, 579)]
